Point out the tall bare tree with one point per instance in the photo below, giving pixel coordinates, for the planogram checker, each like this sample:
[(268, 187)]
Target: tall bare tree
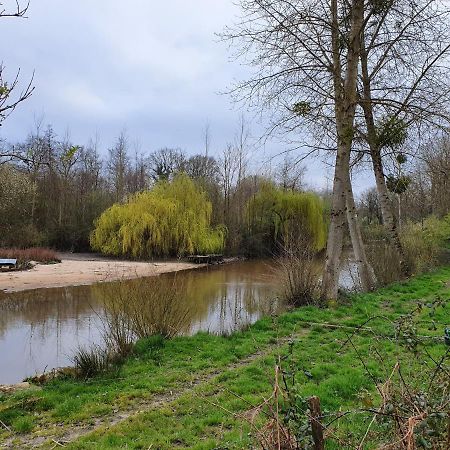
[(166, 162), (118, 166), (404, 71), (306, 59)]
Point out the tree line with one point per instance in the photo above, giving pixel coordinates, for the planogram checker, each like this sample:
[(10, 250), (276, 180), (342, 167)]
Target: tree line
[(53, 191)]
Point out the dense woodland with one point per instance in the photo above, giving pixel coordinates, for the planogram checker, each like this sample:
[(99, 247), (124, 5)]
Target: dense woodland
[(62, 188), (53, 192)]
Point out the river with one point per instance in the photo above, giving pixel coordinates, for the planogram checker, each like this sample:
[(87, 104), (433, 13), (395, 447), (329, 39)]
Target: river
[(41, 329)]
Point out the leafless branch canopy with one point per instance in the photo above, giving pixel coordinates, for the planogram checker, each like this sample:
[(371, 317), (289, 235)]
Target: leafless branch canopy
[(288, 46), (10, 95)]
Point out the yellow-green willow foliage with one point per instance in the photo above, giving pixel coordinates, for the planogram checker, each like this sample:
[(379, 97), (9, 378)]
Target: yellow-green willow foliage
[(172, 219), (281, 217)]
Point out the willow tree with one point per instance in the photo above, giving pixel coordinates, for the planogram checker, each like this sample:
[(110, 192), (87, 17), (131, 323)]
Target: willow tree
[(284, 217), (172, 219)]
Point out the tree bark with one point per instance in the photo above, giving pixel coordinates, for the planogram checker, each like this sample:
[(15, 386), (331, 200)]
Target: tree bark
[(330, 280)]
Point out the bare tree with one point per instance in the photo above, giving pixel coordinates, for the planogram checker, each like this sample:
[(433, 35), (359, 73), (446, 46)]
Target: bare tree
[(352, 75), (369, 206), (118, 166), (306, 58), (436, 156), (291, 173), (403, 84), (166, 162), (202, 167), (10, 95), (228, 176)]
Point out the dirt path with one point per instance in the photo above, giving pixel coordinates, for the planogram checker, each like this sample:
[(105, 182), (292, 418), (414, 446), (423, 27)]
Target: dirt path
[(58, 436), (83, 269)]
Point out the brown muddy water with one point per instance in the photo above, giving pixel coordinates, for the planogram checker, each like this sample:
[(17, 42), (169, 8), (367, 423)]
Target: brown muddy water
[(41, 329)]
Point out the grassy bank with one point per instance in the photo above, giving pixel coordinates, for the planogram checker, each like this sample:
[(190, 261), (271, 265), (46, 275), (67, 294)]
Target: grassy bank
[(197, 392)]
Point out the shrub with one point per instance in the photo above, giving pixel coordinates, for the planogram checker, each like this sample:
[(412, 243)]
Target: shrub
[(24, 256), (385, 261), (299, 273), (423, 242), (146, 310), (138, 309)]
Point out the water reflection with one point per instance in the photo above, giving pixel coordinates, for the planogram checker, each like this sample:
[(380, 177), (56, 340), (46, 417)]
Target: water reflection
[(40, 329)]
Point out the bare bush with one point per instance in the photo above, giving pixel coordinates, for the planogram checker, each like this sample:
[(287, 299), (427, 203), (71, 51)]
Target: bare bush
[(385, 261), (422, 244), (141, 308), (299, 273)]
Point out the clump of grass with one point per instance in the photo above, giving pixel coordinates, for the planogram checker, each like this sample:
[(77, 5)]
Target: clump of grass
[(23, 424), (150, 348), (93, 361), (25, 255), (299, 274)]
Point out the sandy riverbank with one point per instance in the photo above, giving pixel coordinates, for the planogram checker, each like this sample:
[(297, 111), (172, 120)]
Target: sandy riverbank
[(83, 269)]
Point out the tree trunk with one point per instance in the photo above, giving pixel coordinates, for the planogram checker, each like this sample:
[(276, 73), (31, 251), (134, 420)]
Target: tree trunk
[(365, 271), (330, 279), (386, 206), (345, 96)]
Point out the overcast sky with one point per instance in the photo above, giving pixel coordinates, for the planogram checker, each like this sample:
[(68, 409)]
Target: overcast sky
[(152, 67)]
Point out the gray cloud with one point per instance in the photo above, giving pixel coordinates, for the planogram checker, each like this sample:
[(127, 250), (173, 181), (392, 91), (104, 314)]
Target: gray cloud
[(152, 67)]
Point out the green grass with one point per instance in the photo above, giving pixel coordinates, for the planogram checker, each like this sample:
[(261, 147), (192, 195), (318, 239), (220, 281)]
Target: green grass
[(209, 416)]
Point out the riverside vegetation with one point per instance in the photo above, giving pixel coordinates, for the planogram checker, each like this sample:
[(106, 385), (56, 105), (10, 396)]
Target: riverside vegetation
[(154, 386), (203, 391), (198, 392)]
